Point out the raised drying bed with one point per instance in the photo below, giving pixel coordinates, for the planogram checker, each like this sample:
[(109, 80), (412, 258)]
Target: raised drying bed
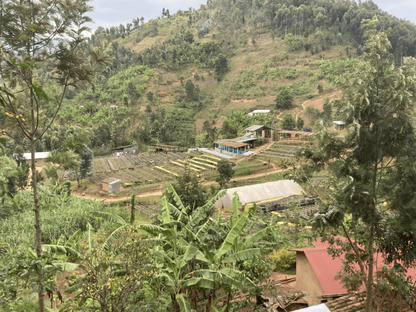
[(165, 170)]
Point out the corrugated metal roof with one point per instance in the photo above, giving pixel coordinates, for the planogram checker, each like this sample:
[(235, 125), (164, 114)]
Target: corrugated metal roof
[(353, 302), (231, 143), (339, 122), (40, 155), (261, 111), (215, 153), (110, 180), (254, 128), (259, 192)]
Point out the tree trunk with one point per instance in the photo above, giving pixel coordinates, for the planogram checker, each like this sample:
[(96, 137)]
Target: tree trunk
[(227, 302), (194, 298), (37, 225), (210, 297), (370, 269), (175, 304)]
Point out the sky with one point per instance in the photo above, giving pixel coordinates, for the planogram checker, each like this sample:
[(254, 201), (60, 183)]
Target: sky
[(109, 13)]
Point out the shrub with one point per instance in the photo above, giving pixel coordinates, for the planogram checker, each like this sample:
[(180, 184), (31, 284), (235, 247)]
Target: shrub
[(283, 260)]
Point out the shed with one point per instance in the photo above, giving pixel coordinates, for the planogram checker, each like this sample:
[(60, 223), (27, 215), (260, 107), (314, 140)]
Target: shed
[(295, 135), (235, 147), (339, 125), (259, 111), (40, 158), (316, 271), (111, 185), (128, 149), (270, 191), (259, 131)]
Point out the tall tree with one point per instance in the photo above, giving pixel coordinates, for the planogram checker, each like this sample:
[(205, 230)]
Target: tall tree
[(373, 166), (288, 122), (43, 34), (225, 171), (284, 99)]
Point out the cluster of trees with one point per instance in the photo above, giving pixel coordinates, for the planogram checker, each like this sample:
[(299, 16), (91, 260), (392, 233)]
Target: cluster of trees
[(304, 18), (371, 196), (237, 121)]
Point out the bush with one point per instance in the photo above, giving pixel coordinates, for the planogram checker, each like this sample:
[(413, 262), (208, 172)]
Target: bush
[(60, 215), (283, 260)]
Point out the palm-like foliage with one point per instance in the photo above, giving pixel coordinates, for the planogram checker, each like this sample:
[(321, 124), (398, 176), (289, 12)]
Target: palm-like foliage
[(196, 252)]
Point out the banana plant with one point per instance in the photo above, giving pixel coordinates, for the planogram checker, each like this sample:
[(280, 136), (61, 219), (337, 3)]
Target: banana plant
[(190, 261)]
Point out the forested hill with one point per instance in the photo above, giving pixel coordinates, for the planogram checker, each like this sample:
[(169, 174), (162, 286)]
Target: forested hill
[(216, 63)]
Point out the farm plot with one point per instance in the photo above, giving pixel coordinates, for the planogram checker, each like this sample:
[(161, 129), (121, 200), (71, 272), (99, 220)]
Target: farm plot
[(148, 169), (280, 151)]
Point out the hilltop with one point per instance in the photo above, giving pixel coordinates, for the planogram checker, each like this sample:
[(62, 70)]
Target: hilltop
[(178, 78)]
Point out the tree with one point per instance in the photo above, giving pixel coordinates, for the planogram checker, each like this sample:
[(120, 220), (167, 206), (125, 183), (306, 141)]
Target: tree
[(327, 109), (312, 114), (292, 42), (189, 189), (288, 122), (119, 277), (225, 171), (150, 96), (189, 90), (22, 168), (35, 35), (220, 67), (372, 197), (8, 171), (300, 123), (227, 130), (284, 99), (85, 166)]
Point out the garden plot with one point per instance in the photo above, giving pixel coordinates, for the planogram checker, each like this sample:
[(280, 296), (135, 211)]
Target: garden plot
[(148, 169), (280, 151), (96, 166)]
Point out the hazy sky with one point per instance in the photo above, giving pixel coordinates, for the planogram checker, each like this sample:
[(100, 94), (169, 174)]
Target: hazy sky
[(109, 13)]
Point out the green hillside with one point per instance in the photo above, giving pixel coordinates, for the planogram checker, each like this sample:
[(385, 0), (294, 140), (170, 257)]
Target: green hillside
[(216, 63)]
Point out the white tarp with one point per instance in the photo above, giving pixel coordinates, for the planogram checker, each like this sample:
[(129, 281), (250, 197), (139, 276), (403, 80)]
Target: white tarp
[(259, 192), (318, 308), (40, 155)]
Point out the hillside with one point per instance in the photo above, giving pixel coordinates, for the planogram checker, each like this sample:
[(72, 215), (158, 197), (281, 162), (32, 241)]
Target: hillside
[(217, 63)]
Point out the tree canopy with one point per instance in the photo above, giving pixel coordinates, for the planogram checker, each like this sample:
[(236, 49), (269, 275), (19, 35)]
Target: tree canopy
[(372, 197)]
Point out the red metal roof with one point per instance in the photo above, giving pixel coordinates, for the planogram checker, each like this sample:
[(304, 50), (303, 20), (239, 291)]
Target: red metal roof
[(326, 268)]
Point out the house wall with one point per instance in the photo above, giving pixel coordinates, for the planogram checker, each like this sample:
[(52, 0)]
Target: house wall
[(114, 187), (306, 279), (38, 162), (226, 152), (105, 187)]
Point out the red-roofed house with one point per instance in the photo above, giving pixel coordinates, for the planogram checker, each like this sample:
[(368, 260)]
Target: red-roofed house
[(316, 271)]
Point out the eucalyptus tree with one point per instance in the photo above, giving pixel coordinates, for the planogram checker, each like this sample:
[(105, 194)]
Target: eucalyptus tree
[(372, 195), (36, 35)]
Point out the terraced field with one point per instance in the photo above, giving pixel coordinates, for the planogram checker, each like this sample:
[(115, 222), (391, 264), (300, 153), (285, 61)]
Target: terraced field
[(280, 151), (151, 169)]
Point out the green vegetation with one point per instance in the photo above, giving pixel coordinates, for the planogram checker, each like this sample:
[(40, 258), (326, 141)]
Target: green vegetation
[(370, 193), (174, 80)]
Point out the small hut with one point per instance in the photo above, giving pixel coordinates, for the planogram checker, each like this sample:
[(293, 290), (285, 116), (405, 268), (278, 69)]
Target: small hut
[(339, 125), (111, 185)]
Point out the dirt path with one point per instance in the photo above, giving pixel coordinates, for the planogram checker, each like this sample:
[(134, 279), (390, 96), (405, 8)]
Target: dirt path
[(312, 100)]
